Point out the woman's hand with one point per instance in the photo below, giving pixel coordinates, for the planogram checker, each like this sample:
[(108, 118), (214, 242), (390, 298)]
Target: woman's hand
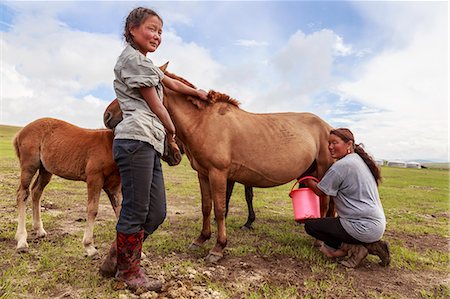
[(313, 186)]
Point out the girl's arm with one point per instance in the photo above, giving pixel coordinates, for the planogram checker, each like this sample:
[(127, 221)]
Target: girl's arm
[(152, 99), (313, 186), (184, 89)]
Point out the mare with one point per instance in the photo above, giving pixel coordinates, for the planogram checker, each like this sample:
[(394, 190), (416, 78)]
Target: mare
[(225, 143), (51, 146), (113, 115)]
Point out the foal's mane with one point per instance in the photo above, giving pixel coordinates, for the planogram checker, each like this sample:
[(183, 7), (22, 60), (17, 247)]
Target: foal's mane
[(213, 96)]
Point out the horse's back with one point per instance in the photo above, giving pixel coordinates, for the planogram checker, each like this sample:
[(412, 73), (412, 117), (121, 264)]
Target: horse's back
[(267, 149), (63, 148)]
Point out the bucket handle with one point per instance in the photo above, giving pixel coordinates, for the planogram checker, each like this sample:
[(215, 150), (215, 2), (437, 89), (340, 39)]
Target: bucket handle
[(304, 178)]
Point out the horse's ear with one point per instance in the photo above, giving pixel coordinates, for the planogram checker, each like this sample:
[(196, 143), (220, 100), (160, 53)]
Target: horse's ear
[(164, 66)]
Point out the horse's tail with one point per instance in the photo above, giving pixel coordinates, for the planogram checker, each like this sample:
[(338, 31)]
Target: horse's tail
[(16, 145)]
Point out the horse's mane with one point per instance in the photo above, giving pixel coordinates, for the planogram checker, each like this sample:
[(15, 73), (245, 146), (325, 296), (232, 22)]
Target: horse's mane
[(213, 96)]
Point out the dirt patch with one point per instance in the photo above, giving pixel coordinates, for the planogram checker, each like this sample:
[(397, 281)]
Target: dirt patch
[(422, 242), (249, 273)]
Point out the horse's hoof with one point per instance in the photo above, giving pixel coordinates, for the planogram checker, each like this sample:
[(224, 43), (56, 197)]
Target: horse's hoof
[(194, 246), (92, 253), (41, 233), (245, 227), (22, 249), (213, 257)]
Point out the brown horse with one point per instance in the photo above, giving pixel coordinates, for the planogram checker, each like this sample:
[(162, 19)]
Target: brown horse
[(224, 142), (113, 115), (52, 146)]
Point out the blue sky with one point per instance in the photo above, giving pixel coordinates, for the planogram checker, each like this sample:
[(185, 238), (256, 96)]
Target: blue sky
[(379, 68)]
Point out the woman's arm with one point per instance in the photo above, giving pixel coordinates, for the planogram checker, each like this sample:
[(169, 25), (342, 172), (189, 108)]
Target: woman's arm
[(152, 99), (184, 89), (313, 186)]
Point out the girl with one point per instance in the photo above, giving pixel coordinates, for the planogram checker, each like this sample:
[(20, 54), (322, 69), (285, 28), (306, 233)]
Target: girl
[(138, 145), (353, 181)]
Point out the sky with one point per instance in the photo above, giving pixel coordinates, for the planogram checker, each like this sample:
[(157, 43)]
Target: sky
[(379, 68)]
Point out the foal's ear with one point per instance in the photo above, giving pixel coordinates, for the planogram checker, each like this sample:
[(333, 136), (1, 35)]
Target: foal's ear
[(164, 66)]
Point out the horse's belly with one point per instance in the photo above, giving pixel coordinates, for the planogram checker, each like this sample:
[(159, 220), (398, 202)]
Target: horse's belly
[(268, 175)]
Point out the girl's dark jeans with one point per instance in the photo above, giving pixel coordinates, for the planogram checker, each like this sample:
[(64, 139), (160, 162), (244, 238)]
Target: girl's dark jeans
[(144, 196)]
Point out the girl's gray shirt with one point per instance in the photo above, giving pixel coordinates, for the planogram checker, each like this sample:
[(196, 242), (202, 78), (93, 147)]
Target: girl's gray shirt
[(134, 70), (357, 201)]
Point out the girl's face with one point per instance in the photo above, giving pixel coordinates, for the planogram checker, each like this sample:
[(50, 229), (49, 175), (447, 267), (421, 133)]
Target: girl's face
[(339, 148), (147, 36)]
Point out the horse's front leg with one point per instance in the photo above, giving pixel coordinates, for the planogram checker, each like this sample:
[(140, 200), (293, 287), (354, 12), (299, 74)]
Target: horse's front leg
[(94, 186), (218, 188), (205, 234)]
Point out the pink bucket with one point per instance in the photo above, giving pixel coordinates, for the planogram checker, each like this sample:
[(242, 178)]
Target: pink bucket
[(305, 202)]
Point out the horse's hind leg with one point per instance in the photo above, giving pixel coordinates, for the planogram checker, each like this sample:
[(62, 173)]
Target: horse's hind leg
[(230, 186), (23, 192), (251, 213), (36, 191)]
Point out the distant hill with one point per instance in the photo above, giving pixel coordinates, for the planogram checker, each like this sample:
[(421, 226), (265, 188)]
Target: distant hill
[(7, 134), (436, 165)]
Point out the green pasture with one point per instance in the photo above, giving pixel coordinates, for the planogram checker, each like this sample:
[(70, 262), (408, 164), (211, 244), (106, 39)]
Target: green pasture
[(416, 203)]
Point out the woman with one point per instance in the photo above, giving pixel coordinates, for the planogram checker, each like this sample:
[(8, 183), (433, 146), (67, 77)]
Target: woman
[(138, 146), (352, 180)]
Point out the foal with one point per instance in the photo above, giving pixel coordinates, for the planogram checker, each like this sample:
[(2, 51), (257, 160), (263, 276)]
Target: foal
[(51, 146)]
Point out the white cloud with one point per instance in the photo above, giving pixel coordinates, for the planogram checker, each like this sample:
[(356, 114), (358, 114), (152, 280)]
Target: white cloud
[(297, 71), (410, 82), (187, 60), (48, 69), (45, 65), (250, 43)]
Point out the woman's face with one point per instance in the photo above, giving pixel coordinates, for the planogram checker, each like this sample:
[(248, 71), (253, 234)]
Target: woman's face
[(147, 36), (338, 148)]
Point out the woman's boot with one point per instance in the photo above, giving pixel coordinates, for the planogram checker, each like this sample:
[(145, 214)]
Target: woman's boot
[(380, 249), (109, 265), (129, 248), (356, 254)]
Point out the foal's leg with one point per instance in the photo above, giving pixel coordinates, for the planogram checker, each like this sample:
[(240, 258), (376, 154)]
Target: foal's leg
[(23, 192), (115, 197), (205, 234), (36, 191), (94, 186)]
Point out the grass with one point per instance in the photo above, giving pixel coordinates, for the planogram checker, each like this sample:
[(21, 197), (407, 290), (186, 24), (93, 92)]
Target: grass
[(416, 203)]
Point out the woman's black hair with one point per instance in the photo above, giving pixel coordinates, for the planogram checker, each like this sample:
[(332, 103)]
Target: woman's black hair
[(346, 135)]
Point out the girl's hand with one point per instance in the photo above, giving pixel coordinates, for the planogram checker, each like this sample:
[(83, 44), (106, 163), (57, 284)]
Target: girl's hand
[(171, 138), (203, 95)]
